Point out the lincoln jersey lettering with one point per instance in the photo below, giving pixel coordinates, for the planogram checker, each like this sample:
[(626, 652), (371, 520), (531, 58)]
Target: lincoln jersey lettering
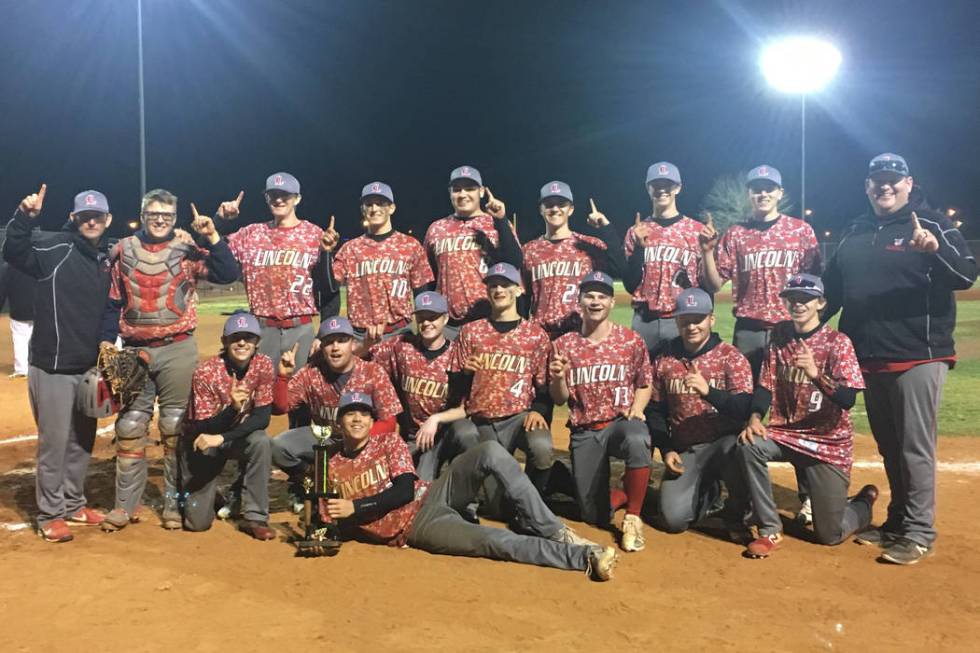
[(669, 252), (423, 384), (555, 267)]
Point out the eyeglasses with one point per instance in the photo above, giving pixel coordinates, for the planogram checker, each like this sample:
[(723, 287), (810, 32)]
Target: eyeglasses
[(99, 218), (161, 216), (250, 338)]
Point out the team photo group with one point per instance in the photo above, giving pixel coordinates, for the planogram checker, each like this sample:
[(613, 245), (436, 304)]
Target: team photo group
[(404, 413)]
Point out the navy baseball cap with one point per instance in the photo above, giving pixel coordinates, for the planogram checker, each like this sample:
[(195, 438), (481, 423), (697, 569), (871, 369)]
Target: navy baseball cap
[(242, 322), (556, 189), (379, 189), (693, 301), (282, 181), (466, 172), (431, 302), (91, 200), (503, 270), (597, 278), (888, 162), (765, 173), (809, 284), (664, 170), (333, 326), (352, 400)]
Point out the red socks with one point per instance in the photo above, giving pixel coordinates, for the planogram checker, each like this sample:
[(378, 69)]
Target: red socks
[(635, 482)]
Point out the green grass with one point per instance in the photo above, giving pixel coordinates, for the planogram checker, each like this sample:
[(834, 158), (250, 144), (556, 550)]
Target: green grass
[(959, 414)]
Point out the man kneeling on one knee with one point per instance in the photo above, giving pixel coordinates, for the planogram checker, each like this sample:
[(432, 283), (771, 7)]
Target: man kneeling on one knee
[(230, 406)]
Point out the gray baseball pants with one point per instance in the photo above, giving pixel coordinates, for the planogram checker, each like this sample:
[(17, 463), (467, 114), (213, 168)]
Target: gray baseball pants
[(275, 341), (451, 440), (440, 528), (835, 517), (685, 498), (200, 472), (628, 440), (64, 444), (902, 409), (510, 433), (656, 333)]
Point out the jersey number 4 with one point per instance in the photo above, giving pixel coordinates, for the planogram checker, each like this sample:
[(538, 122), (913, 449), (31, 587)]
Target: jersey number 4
[(517, 388)]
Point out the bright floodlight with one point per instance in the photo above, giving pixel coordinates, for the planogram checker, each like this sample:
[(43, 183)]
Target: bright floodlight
[(799, 64)]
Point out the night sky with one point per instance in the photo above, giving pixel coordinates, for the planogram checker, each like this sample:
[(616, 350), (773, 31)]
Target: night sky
[(342, 93)]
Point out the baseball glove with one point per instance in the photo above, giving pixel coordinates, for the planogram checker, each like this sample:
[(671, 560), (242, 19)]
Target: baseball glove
[(125, 371)]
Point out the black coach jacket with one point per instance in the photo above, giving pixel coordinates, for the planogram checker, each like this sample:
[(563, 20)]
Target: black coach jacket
[(898, 304), (72, 288)]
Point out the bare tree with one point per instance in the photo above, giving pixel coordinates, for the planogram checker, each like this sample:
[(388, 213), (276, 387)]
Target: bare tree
[(728, 201)]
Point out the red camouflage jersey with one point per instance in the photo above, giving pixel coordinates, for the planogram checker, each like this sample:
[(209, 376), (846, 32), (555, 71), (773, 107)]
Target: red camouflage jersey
[(668, 251), (380, 276), (142, 294), (603, 376), (513, 366), (456, 247), (310, 386), (760, 261), (212, 382), (276, 267), (422, 384), (803, 417), (370, 472), (691, 418), (555, 268)]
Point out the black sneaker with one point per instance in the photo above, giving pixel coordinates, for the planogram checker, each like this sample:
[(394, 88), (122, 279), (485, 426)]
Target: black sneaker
[(875, 536), (904, 551)]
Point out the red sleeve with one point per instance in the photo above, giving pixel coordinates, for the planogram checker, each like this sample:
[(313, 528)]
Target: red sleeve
[(383, 354), (385, 398), (205, 400), (643, 376), (116, 280), (280, 395), (767, 375), (263, 384), (738, 373), (339, 265), (659, 392), (811, 257), (725, 255), (421, 273), (387, 425), (460, 351), (399, 459), (542, 358)]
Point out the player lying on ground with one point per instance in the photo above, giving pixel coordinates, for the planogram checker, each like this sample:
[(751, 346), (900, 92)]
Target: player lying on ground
[(382, 500), (603, 373), (228, 412), (810, 379), (461, 246), (153, 306), (383, 270), (418, 365), (502, 362), (702, 392), (557, 261), (663, 255), (331, 371)]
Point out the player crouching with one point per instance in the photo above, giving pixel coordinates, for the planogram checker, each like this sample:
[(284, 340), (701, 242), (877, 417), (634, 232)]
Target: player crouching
[(229, 410), (702, 390), (810, 377), (603, 373), (382, 500)]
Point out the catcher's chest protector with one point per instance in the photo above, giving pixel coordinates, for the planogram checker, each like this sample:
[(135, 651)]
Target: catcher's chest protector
[(156, 282)]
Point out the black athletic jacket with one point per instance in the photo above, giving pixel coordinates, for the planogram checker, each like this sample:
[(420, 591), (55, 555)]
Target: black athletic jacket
[(72, 288), (898, 304)]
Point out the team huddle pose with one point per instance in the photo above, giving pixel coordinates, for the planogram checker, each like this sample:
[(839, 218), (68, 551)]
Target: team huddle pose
[(454, 351)]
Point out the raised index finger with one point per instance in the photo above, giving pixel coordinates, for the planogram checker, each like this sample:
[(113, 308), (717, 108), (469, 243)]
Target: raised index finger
[(194, 211), (592, 204), (330, 226), (44, 189), (241, 195), (490, 197), (915, 222), (710, 220), (638, 219)]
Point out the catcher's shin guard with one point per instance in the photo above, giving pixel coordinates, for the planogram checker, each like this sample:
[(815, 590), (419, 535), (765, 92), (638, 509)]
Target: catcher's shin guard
[(131, 429), (170, 421)]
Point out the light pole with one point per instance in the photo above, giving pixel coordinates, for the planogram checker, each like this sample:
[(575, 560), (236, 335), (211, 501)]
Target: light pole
[(800, 65), (139, 57)]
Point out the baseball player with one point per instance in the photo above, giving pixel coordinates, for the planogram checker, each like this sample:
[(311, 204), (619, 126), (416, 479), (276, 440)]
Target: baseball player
[(894, 275), (603, 373), (228, 412), (555, 262), (810, 380), (662, 258), (702, 391), (383, 270), (154, 295), (318, 385), (461, 246), (279, 260), (72, 269), (382, 500), (418, 367), (503, 361), (758, 256)]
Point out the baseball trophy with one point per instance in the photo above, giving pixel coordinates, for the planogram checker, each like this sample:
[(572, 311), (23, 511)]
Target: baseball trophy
[(320, 538)]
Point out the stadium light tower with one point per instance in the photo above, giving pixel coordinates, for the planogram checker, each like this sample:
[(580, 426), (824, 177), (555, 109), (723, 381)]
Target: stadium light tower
[(139, 56), (800, 65)]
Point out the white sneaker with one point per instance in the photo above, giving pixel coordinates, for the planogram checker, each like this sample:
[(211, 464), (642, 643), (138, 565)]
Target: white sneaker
[(568, 536), (805, 515), (232, 508), (633, 533), (601, 563)]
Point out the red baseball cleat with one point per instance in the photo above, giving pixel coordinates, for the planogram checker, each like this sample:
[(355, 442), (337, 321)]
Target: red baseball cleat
[(87, 516), (762, 546), (55, 530)]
